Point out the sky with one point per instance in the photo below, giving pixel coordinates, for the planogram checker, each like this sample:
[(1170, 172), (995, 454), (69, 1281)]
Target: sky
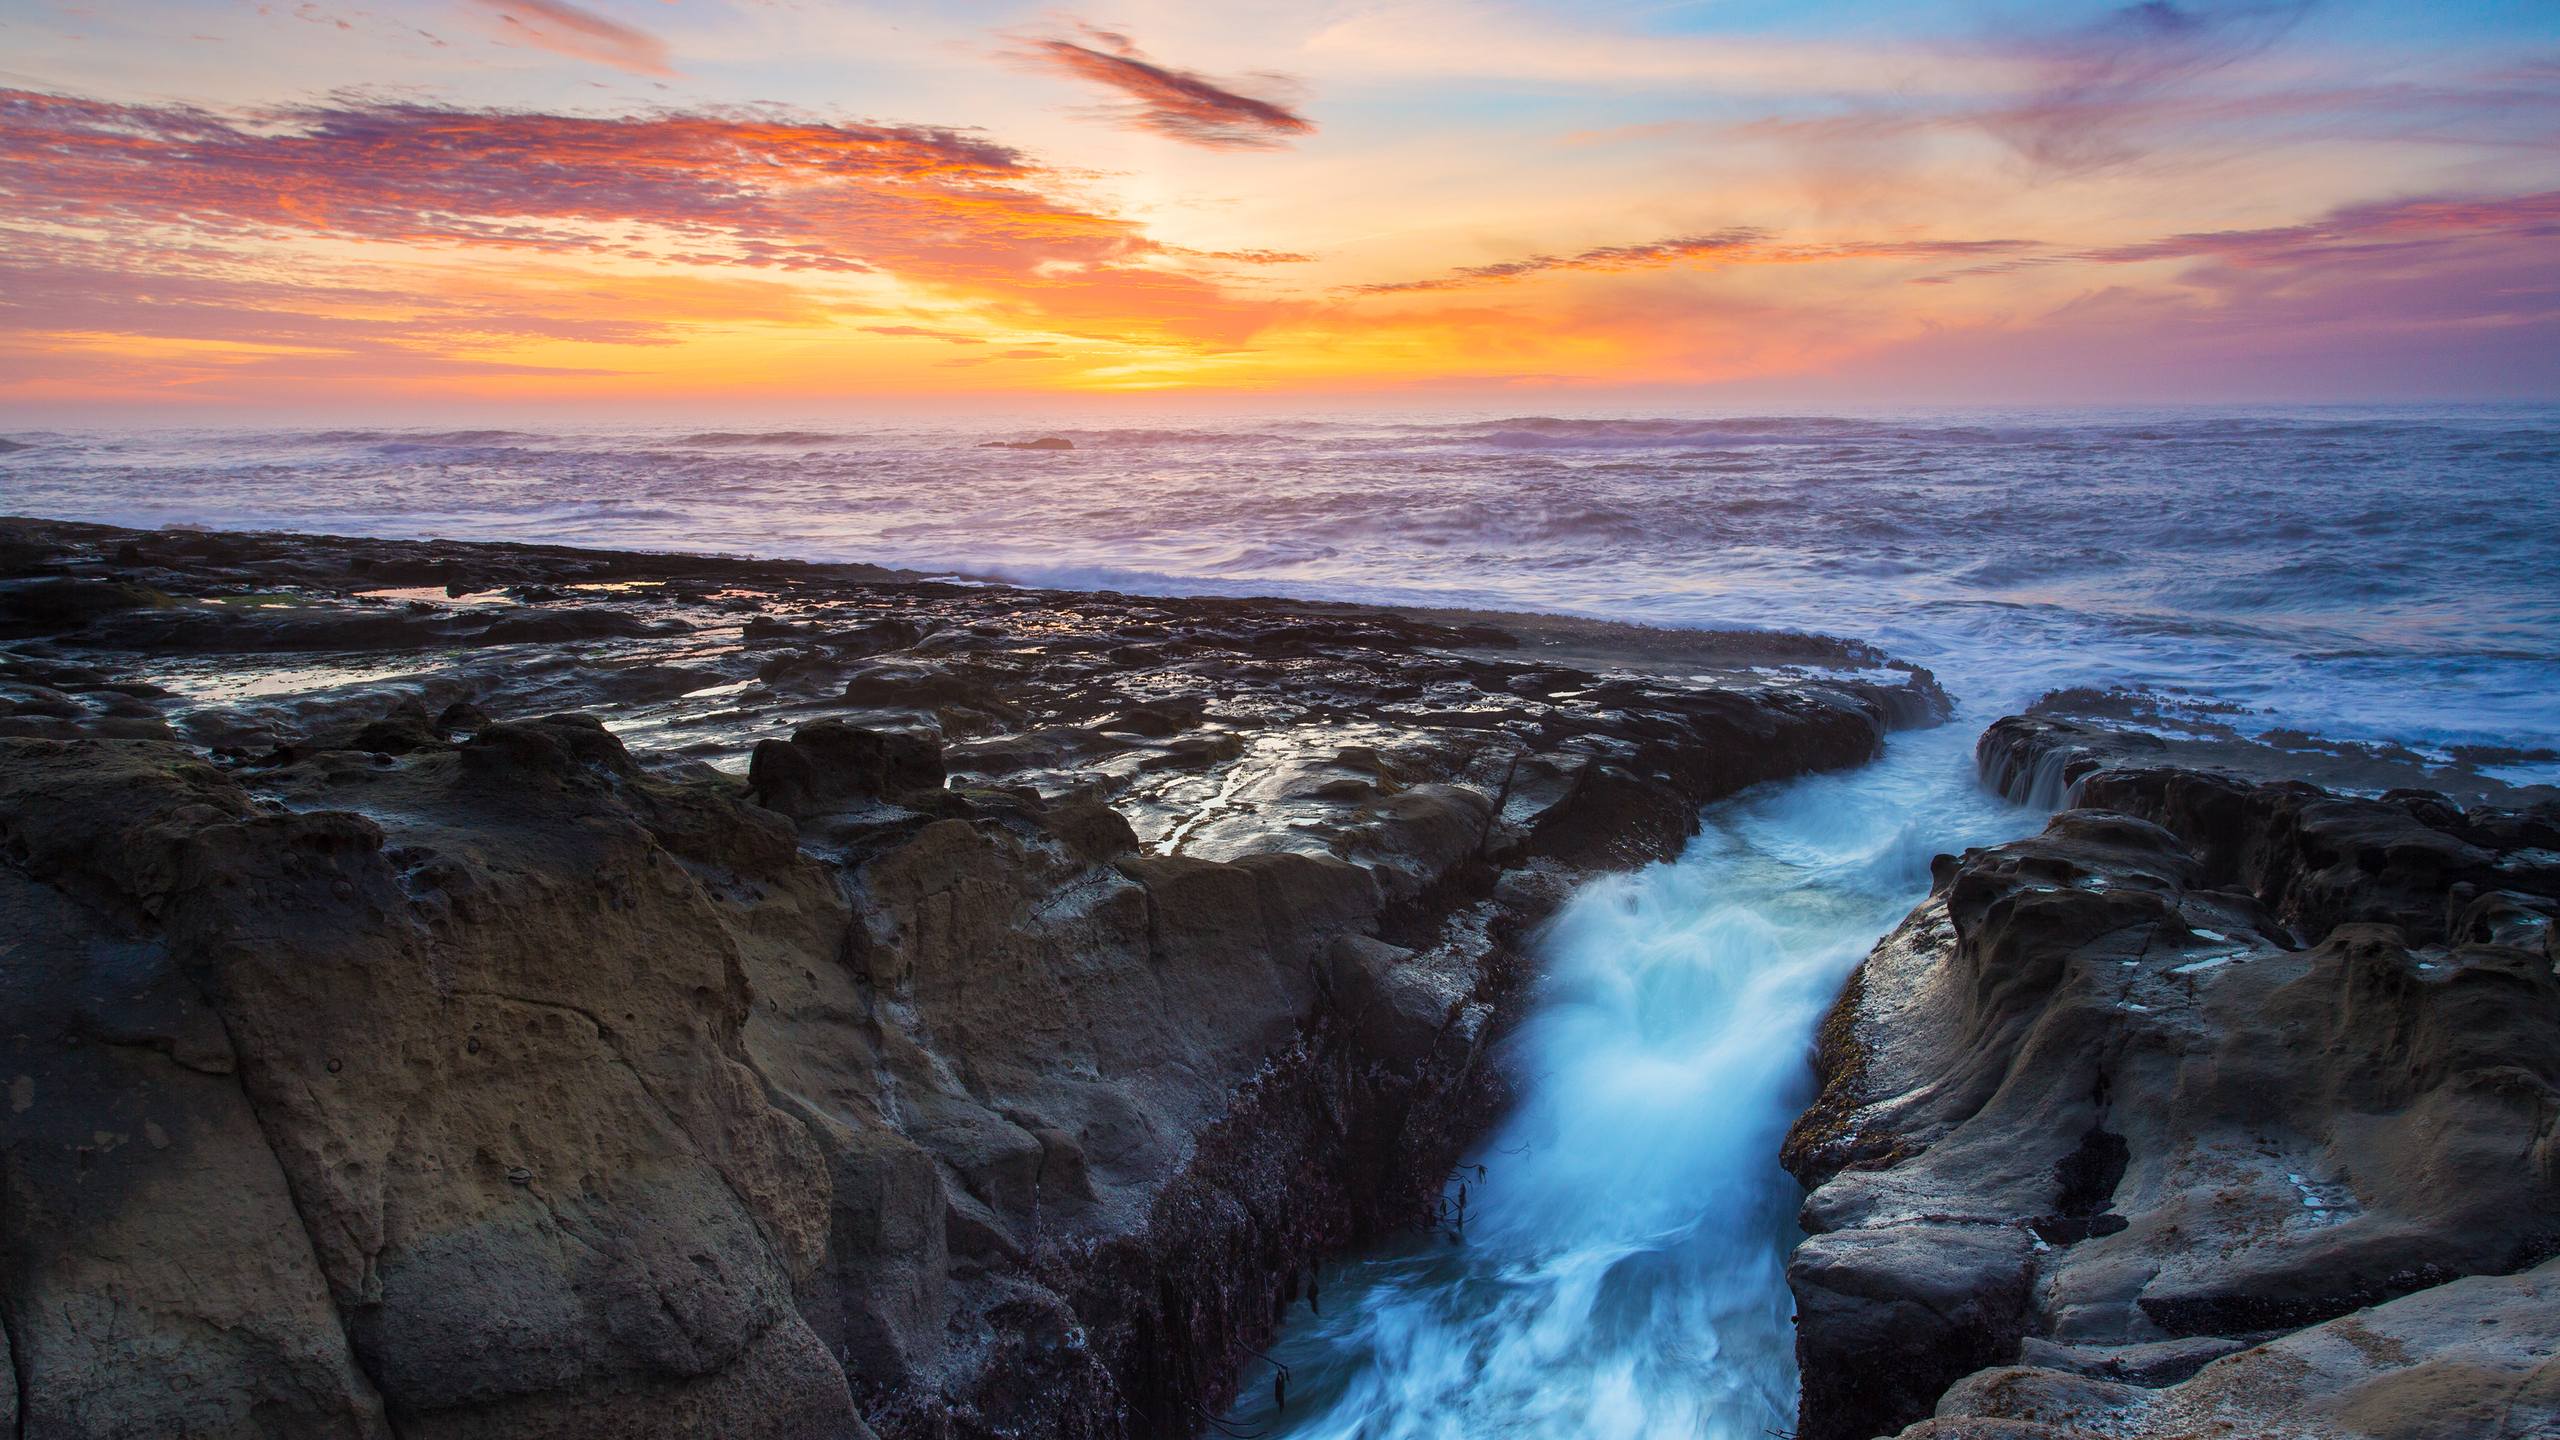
[(663, 207)]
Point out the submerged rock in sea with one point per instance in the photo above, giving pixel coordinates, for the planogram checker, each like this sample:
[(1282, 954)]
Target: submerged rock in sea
[(2224, 1106), (976, 1027), (1045, 442)]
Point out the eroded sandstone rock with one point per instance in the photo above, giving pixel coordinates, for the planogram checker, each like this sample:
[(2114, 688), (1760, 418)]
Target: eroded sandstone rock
[(2467, 1360), (2178, 1089)]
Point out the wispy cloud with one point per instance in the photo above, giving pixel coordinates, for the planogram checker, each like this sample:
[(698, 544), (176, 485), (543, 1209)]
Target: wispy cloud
[(2507, 106), (565, 29), (2091, 80), (2402, 232), (925, 332), (2424, 297), (1673, 251), (1741, 245), (1242, 257), (2357, 231), (1164, 101)]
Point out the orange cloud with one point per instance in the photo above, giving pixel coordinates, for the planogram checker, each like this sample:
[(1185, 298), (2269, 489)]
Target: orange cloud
[(202, 232), (924, 332), (741, 189)]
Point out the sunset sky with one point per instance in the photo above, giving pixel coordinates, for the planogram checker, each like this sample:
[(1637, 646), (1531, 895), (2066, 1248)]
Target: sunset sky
[(635, 207)]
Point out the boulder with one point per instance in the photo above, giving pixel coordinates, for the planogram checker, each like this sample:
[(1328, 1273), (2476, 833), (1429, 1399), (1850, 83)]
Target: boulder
[(829, 764), (66, 601), (405, 729), (1398, 1007)]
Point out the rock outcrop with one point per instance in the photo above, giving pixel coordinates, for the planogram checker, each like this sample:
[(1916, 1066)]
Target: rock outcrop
[(2223, 1106), (793, 1001)]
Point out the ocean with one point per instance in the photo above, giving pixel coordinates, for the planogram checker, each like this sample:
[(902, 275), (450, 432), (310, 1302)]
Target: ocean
[(2358, 574)]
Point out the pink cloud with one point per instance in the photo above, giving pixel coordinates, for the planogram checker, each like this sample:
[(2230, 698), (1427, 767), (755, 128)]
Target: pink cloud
[(565, 29), (2356, 231), (1740, 246), (734, 189)]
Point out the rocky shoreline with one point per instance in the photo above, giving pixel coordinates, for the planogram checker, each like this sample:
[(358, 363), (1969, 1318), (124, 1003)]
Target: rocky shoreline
[(510, 991), (472, 990), (2228, 1105)]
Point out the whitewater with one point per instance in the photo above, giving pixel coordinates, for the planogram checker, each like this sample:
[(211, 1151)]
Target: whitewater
[(1621, 1272), (2363, 575)]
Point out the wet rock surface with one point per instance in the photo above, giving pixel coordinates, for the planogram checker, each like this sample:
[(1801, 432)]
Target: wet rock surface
[(506, 991), (2140, 728), (2224, 1106)]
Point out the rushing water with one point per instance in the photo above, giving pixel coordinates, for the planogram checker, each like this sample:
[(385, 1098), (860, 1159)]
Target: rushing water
[(1621, 1271), (2360, 574)]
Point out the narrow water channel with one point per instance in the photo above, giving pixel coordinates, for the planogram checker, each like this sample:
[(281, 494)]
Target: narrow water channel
[(1621, 1272)]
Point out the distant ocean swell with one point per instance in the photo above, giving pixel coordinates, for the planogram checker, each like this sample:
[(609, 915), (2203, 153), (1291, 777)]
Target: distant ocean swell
[(2359, 574)]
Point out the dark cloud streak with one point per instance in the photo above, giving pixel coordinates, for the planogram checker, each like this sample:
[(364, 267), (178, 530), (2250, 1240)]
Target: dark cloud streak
[(2405, 232), (1173, 103), (2368, 229)]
